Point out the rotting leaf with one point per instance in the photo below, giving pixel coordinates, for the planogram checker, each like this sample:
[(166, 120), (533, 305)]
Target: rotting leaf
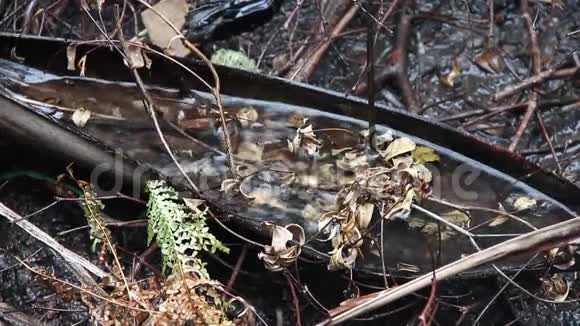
[(488, 60), (398, 147), (424, 154), (342, 258), (555, 288), (524, 202), (80, 117), (281, 254)]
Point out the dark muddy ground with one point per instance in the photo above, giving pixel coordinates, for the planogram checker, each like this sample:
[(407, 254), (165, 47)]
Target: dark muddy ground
[(445, 35)]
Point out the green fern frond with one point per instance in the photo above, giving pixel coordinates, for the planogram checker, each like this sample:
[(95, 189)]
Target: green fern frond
[(180, 232)]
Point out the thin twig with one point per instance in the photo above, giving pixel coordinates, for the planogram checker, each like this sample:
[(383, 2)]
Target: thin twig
[(549, 141), (535, 71), (238, 266), (306, 68), (295, 301), (549, 74), (216, 91), (503, 288)]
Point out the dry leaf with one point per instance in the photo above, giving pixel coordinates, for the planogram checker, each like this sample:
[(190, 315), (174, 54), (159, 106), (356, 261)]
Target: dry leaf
[(424, 154), (365, 214), (402, 208), (398, 147), (555, 288), (458, 218), (449, 79), (488, 60), (352, 160), (193, 203), (402, 162), (562, 258), (83, 65), (342, 258), (160, 33), (71, 55), (80, 117), (228, 185), (499, 220), (384, 138), (281, 254), (328, 226), (419, 172), (523, 202), (296, 119), (247, 115), (305, 139)]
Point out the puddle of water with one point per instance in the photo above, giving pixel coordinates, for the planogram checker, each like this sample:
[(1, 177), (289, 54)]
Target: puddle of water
[(286, 188)]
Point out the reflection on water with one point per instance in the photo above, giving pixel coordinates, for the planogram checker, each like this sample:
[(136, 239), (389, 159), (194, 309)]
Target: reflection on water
[(278, 185)]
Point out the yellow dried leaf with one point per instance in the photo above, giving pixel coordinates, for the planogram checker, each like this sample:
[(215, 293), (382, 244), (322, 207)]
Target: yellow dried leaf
[(449, 79), (424, 154), (247, 115)]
